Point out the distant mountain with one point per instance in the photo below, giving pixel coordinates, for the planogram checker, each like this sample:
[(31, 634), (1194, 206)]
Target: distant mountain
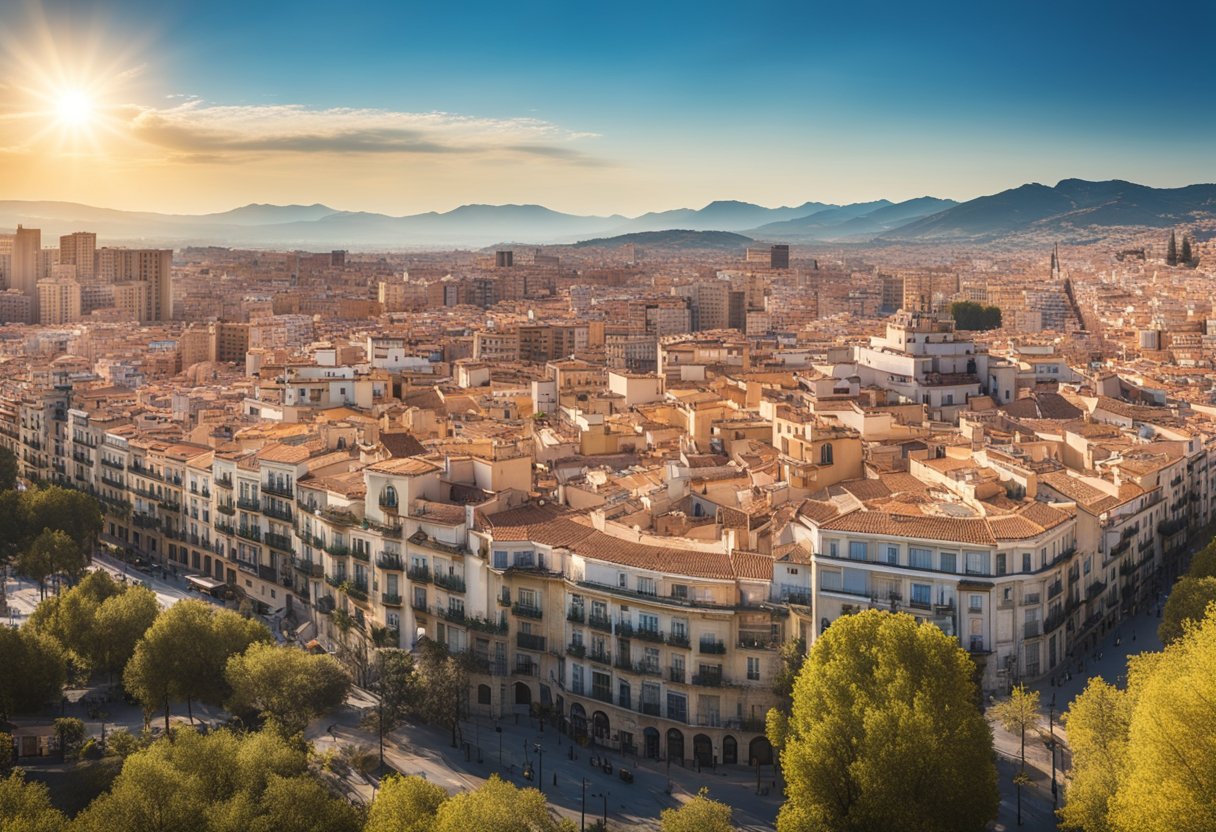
[(723, 215), (1073, 205), (677, 239), (261, 214)]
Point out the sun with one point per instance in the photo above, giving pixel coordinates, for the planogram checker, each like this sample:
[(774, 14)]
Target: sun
[(74, 108)]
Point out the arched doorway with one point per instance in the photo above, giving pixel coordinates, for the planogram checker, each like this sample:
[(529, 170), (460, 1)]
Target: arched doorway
[(483, 694), (675, 745), (730, 751), (600, 728), (760, 752), (650, 743), (703, 750), (523, 694), (578, 720)]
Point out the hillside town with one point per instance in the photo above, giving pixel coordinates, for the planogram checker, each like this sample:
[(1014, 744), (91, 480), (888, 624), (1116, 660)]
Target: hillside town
[(619, 480)]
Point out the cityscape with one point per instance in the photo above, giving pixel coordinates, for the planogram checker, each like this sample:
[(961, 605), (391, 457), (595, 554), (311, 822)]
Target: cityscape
[(560, 430)]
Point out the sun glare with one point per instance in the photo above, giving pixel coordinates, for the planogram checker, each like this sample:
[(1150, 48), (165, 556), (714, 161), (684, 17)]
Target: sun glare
[(74, 108)]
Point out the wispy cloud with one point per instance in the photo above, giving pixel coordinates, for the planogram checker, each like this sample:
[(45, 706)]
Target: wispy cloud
[(198, 131)]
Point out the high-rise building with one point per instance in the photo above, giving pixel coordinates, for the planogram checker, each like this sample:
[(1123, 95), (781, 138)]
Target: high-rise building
[(779, 257), (79, 250), (504, 259), (58, 301), (23, 274), (151, 267)]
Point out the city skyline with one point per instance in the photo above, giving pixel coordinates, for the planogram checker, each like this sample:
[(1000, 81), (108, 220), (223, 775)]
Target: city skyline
[(172, 108)]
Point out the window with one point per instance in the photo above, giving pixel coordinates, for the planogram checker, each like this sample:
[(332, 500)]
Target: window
[(1026, 565), (825, 453), (646, 586), (858, 550), (921, 594), (977, 563), (920, 558), (949, 562), (500, 559), (527, 598), (975, 603), (829, 579), (648, 622), (677, 707), (1000, 563), (856, 582), (525, 559), (576, 679), (621, 580), (893, 555), (753, 669)]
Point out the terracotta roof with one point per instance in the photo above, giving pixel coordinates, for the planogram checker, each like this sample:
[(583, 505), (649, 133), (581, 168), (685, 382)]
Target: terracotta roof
[(922, 527), (752, 565), (410, 466)]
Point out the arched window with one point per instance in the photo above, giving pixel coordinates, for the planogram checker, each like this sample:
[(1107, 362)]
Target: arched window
[(825, 453), (388, 497)]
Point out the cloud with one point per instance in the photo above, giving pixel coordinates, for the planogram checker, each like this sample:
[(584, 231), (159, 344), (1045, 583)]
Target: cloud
[(197, 131)]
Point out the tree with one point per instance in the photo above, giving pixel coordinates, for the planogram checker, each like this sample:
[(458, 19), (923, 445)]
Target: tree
[(792, 656), (1017, 714), (70, 731), (184, 653), (697, 815), (1097, 723), (405, 804), (12, 526), (285, 686), (1188, 602), (53, 552), (8, 470), (42, 670), (1170, 776), (64, 509), (443, 684), (26, 807), (1185, 257), (8, 751), (396, 689), (1203, 564), (497, 806), (72, 617), (880, 694), (1171, 251), (220, 782), (37, 562), (974, 316), (121, 621)]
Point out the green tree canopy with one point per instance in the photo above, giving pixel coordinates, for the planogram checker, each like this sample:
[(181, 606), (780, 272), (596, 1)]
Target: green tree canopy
[(442, 684), (8, 470), (183, 655), (121, 621), (697, 815), (405, 804), (1203, 564), (98, 621), (42, 670), (220, 782), (885, 733), (497, 806), (974, 316), (63, 509), (1097, 723), (1188, 602), (26, 806), (285, 686)]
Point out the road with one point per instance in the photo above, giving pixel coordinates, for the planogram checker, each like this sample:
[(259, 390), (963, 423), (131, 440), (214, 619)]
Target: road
[(559, 771)]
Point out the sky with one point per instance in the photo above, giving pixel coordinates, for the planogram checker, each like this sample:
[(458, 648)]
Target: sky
[(593, 108)]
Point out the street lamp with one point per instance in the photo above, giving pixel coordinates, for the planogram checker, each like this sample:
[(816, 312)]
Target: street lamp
[(582, 826), (540, 766), (604, 795)]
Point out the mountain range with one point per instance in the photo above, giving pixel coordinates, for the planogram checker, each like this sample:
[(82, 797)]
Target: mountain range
[(1073, 207)]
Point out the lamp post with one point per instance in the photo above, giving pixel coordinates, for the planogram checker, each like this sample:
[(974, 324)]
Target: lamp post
[(604, 795), (540, 766), (582, 826), (498, 729)]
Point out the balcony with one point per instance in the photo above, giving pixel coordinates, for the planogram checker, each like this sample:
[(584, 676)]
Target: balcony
[(576, 650), (387, 561), (678, 640), (488, 625), (711, 647), (600, 622), (525, 667), (223, 528), (357, 591), (419, 574), (708, 678), (452, 583), (648, 669), (279, 489), (250, 533), (600, 656), (249, 504), (676, 674), (1171, 527), (223, 482), (282, 542), (528, 641), (1094, 590), (576, 615), (361, 554), (526, 611), (225, 508), (419, 603), (1054, 590), (453, 614), (308, 567), (649, 634), (278, 511), (337, 550)]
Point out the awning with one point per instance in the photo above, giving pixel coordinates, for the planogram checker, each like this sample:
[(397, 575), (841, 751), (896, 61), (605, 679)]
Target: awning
[(202, 582)]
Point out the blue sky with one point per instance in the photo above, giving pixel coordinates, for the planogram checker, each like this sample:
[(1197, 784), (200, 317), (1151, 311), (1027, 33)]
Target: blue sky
[(598, 108)]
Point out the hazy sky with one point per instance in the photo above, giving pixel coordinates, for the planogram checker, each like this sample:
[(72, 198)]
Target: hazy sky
[(405, 107)]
